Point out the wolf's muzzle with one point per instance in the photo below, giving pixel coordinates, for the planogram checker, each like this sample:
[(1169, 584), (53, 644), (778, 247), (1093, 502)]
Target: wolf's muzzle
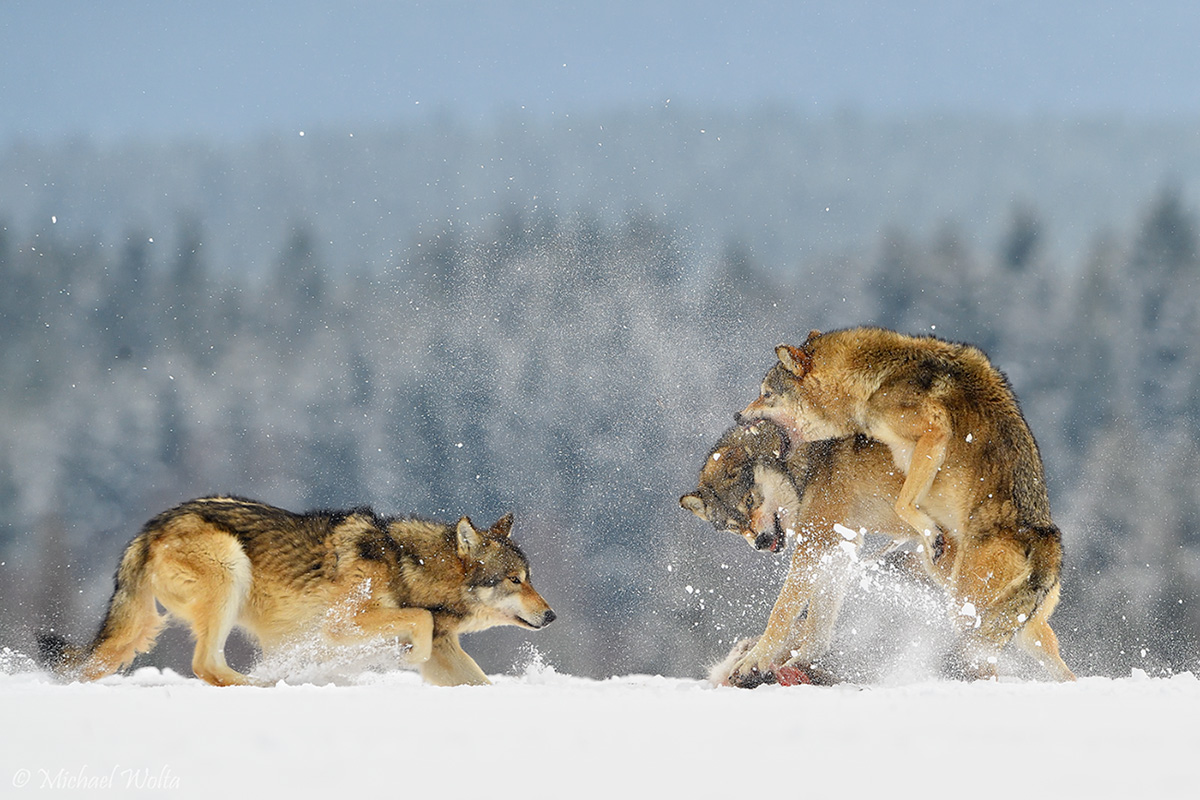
[(771, 540), (546, 619)]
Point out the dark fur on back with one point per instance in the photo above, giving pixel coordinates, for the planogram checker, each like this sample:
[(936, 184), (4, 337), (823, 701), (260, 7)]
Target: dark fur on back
[(299, 542), (971, 383)]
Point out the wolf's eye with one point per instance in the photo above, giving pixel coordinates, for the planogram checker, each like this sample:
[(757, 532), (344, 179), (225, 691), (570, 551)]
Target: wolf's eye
[(516, 580)]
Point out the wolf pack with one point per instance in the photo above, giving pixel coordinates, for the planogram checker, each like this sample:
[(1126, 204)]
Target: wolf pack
[(855, 431)]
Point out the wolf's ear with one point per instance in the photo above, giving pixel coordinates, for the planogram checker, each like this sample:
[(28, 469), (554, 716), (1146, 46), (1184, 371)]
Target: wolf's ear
[(469, 539), (812, 334), (694, 504), (503, 527), (794, 359)]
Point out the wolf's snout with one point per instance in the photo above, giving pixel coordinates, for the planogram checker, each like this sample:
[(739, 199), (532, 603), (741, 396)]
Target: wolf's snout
[(536, 621), (748, 415), (774, 540), (769, 541)]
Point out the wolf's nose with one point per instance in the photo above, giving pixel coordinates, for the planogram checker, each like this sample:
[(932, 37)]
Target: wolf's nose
[(549, 617), (765, 541), (739, 419)]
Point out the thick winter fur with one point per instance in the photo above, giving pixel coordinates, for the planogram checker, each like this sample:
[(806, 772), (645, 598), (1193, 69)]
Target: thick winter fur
[(971, 465), (349, 576), (754, 485)]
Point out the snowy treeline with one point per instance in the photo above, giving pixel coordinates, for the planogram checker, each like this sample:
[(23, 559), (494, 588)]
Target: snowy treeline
[(570, 364)]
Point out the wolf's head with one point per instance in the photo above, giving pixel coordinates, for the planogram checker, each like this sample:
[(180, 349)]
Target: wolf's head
[(787, 394), (498, 579), (746, 487)]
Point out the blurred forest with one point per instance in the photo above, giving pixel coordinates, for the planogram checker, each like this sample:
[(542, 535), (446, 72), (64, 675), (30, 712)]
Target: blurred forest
[(559, 318)]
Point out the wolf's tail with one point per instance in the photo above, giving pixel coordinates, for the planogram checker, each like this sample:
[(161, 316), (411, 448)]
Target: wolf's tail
[(130, 626), (57, 654), (1045, 561)]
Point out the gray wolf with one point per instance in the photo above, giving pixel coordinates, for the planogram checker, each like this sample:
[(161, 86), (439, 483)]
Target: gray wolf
[(754, 484), (971, 466), (350, 576)]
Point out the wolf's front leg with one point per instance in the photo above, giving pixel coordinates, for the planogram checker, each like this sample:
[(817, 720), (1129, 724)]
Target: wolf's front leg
[(414, 625), (817, 580), (449, 665), (774, 646)]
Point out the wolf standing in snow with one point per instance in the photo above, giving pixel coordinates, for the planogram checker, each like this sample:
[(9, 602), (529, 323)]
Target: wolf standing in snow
[(350, 576), (752, 483), (971, 465)]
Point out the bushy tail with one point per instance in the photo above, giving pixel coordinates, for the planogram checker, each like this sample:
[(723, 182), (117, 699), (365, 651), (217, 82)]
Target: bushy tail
[(1045, 561), (130, 626), (57, 654)]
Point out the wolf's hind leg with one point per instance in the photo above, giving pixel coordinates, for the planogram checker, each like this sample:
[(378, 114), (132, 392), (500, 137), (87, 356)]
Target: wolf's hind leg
[(996, 577), (927, 457), (204, 580), (1038, 639)]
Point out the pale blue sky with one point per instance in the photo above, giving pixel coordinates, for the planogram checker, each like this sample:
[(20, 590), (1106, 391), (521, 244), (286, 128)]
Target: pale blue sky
[(148, 68)]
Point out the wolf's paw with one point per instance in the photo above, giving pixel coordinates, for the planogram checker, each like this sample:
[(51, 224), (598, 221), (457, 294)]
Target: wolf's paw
[(718, 673), (754, 669), (780, 676), (758, 667), (753, 678), (789, 674)]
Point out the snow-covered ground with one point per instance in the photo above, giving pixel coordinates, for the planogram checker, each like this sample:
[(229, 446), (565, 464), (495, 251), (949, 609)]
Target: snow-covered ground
[(542, 734)]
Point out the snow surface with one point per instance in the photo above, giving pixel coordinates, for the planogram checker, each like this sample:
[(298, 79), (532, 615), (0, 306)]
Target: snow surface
[(543, 734)]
